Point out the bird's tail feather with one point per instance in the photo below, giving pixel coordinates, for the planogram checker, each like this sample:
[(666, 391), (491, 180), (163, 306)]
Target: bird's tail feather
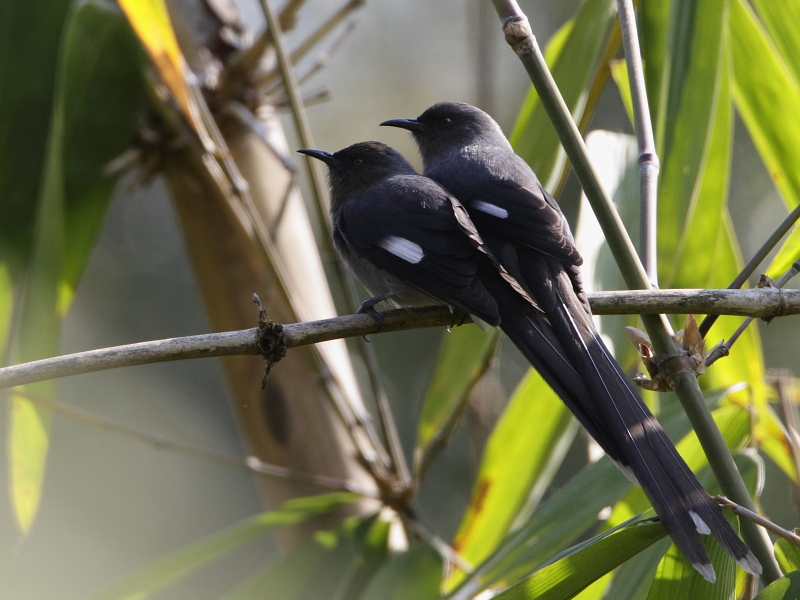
[(572, 358)]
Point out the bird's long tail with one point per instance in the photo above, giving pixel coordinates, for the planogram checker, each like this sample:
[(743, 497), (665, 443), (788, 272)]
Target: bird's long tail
[(571, 357)]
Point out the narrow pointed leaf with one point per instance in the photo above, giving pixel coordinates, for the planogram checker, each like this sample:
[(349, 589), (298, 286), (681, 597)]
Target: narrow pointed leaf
[(412, 575), (463, 358), (161, 573), (573, 56), (579, 566), (512, 463), (696, 54), (767, 96), (676, 578), (98, 65), (785, 588), (329, 565), (150, 20), (788, 555), (782, 21)]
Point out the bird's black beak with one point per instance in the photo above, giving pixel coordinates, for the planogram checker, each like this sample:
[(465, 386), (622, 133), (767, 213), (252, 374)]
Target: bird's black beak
[(410, 124), (326, 157)]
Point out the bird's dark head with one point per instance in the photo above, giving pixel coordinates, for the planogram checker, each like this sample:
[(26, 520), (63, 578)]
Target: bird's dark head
[(450, 126), (359, 167)]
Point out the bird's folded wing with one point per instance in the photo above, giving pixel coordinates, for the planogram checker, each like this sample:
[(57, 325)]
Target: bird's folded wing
[(529, 216), (417, 239)]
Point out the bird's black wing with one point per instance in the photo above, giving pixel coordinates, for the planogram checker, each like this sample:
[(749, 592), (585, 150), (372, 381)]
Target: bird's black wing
[(413, 235), (526, 214)]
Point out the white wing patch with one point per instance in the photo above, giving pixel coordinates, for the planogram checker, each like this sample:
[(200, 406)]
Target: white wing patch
[(699, 524), (402, 248), (489, 209)]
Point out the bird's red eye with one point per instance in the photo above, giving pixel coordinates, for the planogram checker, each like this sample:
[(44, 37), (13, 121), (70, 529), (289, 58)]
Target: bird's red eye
[(358, 162), (445, 122)]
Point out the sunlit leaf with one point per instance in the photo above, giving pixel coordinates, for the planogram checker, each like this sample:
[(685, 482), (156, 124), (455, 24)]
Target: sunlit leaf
[(579, 566), (781, 20), (412, 575), (676, 578), (767, 94), (150, 21), (619, 73), (6, 302), (463, 358), (771, 439), (788, 555), (696, 78), (570, 511), (177, 565), (513, 462), (573, 56), (785, 588), (654, 30), (98, 64), (633, 580)]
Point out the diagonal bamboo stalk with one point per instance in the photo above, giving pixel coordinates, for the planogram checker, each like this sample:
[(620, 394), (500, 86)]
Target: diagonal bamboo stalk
[(520, 37)]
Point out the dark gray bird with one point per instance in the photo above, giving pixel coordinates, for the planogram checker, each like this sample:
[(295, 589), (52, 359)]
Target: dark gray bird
[(465, 150)]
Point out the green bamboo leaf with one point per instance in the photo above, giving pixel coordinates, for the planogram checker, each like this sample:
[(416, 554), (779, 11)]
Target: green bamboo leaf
[(412, 575), (633, 580), (574, 569), (99, 65), (767, 95), (772, 441), (30, 32), (654, 30), (597, 589), (782, 20), (6, 303), (573, 55), (695, 49), (697, 245), (327, 566), (570, 511), (676, 578), (785, 588), (788, 555), (463, 359), (619, 73), (145, 581), (515, 465)]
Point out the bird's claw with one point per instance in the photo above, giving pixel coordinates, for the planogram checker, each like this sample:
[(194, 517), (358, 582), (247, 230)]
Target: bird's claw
[(368, 308)]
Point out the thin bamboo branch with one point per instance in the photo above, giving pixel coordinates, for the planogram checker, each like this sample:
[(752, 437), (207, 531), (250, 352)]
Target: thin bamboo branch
[(756, 518), (444, 549), (763, 302), (724, 349), (319, 62), (757, 259), (319, 191), (520, 37), (648, 159), (250, 464), (323, 30), (318, 188)]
